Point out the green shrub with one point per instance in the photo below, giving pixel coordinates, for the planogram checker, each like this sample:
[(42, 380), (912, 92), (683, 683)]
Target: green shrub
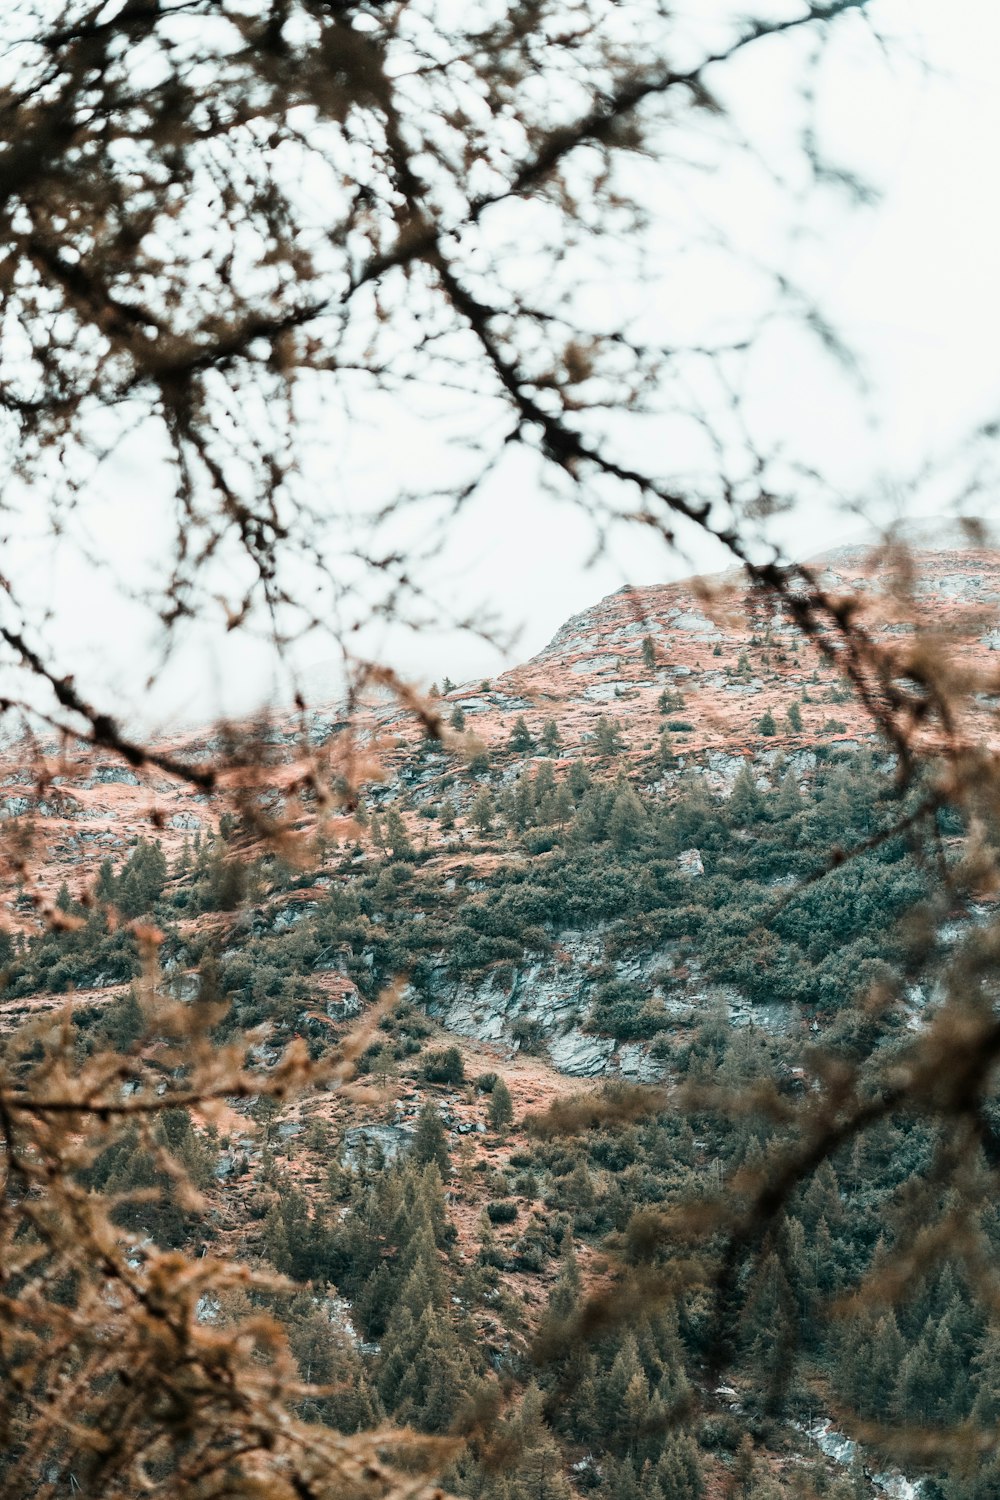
[(444, 1067), (503, 1212)]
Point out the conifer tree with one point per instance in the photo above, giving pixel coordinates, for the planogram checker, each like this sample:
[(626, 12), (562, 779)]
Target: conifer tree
[(430, 1144), (538, 1474), (627, 818), (500, 1111), (521, 738), (396, 836), (679, 1471), (551, 738), (744, 805), (607, 738), (482, 812)]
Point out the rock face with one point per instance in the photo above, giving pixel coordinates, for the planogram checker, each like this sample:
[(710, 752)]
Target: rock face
[(544, 1006), (392, 1140), (690, 863), (110, 775)]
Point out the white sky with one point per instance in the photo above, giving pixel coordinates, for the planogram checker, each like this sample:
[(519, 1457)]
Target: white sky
[(912, 283)]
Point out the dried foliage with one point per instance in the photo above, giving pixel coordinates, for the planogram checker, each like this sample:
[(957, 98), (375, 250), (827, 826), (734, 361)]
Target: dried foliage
[(224, 226)]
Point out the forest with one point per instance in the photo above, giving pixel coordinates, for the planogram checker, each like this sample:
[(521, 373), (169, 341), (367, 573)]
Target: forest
[(836, 964)]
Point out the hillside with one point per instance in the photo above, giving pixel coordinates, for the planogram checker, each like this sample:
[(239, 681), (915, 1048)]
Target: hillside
[(719, 664), (611, 868)]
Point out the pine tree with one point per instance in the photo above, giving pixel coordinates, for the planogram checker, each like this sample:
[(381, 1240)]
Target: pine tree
[(789, 799), (649, 652), (430, 1144), (744, 1467), (521, 739), (562, 805), (396, 836), (434, 1375), (457, 720), (551, 738), (579, 780), (679, 1471), (766, 725), (538, 1474), (986, 1380), (501, 1108), (744, 806), (627, 818), (482, 812), (607, 738), (795, 717)]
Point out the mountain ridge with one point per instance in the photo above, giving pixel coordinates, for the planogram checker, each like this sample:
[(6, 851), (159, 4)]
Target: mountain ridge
[(705, 662)]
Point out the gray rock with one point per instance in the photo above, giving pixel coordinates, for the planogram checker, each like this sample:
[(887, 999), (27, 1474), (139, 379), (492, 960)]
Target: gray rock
[(106, 775), (392, 1140), (292, 914), (588, 664), (634, 1062), (697, 623), (579, 1055), (343, 1007)]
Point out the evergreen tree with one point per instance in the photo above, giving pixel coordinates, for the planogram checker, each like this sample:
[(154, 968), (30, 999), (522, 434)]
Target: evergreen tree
[(538, 1473), (744, 806), (649, 652), (744, 1467), (986, 1377), (430, 1144), (789, 799), (679, 1472), (521, 738), (457, 720), (766, 724), (501, 1107), (482, 812), (795, 717), (627, 818), (607, 738), (551, 738), (396, 836), (578, 781), (436, 1376)]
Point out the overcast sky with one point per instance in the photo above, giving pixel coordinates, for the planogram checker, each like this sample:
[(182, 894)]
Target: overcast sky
[(910, 282)]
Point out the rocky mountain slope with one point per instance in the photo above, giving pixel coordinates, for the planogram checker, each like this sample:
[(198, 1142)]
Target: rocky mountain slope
[(724, 675), (552, 949)]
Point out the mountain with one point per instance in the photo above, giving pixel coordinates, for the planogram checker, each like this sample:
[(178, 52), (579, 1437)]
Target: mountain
[(610, 867), (722, 661)]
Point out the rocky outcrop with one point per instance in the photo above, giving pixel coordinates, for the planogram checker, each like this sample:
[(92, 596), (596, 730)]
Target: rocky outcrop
[(391, 1140), (543, 1006)]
